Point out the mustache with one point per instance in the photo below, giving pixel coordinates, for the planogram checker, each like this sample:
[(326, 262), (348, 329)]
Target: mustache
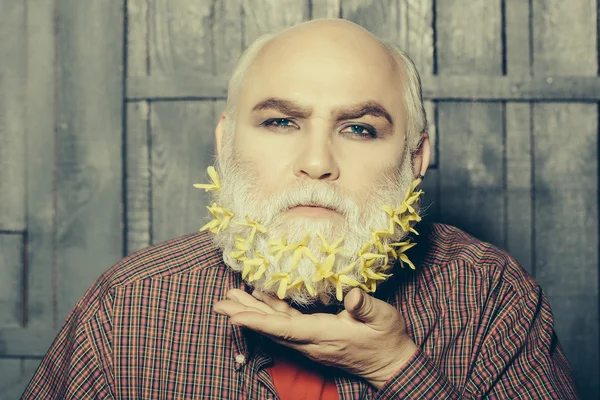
[(314, 194)]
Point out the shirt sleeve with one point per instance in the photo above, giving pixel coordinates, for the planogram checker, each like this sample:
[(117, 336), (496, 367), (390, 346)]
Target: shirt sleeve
[(77, 365), (520, 358)]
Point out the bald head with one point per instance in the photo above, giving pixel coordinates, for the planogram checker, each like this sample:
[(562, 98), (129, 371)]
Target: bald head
[(320, 41)]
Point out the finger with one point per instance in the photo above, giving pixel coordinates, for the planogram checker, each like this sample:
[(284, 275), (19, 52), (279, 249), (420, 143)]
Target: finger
[(244, 298), (300, 328), (275, 304), (232, 307), (373, 312)]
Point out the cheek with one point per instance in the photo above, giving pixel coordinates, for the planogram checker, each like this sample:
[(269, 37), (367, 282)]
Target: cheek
[(363, 168), (263, 163)]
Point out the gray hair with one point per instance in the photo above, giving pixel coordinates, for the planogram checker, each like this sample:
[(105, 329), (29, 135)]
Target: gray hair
[(416, 119)]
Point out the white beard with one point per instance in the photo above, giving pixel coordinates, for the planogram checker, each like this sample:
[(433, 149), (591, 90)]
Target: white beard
[(241, 195)]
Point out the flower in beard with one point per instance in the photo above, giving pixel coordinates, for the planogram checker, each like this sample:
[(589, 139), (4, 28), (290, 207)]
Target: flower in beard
[(295, 249), (221, 219), (281, 247)]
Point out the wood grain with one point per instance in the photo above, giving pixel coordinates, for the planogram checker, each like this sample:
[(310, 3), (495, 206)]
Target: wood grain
[(139, 206), (89, 145), (471, 142), (190, 37), (469, 37), (13, 56), (471, 169), (16, 376), (519, 219), (519, 206), (11, 280), (138, 53), (12, 371), (41, 163), (325, 9), (566, 186), (182, 149), (264, 16)]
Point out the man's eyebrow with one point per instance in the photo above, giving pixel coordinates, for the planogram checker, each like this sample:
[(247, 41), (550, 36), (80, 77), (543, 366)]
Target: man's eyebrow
[(372, 108), (287, 107), (293, 109)]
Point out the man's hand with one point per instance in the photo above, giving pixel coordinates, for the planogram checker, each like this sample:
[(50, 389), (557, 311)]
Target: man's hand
[(368, 339)]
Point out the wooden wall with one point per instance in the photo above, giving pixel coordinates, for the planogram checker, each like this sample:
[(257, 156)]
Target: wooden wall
[(107, 110)]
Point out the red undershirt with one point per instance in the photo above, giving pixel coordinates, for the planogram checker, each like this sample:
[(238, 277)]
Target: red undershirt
[(298, 378)]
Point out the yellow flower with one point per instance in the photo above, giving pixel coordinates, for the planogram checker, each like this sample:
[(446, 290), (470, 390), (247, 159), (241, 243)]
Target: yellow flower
[(242, 245), (324, 270), (216, 181), (372, 286), (386, 232), (340, 278), (327, 248), (405, 213), (284, 279), (277, 246), (256, 227), (221, 221), (251, 264), (280, 247), (402, 247)]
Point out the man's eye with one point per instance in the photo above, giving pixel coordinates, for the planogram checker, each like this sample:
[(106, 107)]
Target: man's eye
[(362, 131), (279, 123)]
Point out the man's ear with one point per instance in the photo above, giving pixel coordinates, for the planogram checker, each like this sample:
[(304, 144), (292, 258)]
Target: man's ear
[(420, 157), (219, 132)]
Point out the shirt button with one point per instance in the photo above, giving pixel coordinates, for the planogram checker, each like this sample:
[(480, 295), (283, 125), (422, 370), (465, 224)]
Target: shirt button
[(240, 359)]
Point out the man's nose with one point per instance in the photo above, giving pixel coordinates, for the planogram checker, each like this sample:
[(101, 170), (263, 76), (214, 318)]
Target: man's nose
[(316, 159)]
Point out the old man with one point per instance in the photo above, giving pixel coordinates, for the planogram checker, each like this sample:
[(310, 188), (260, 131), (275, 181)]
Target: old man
[(309, 280)]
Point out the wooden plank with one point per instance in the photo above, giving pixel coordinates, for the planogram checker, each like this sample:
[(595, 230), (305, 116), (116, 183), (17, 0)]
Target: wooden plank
[(566, 186), (469, 37), (519, 219), (325, 9), (17, 374), (518, 38), (445, 87), (30, 341), (566, 229), (11, 280), (191, 37), (471, 168), (11, 372), (12, 115), (264, 16), (41, 166), (89, 144), (471, 142), (137, 152), (180, 154), (138, 62), (204, 39), (138, 177)]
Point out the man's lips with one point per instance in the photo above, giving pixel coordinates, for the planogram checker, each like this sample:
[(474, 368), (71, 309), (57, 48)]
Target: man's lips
[(312, 211)]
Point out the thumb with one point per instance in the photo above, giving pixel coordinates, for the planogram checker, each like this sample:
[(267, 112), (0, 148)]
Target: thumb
[(360, 306)]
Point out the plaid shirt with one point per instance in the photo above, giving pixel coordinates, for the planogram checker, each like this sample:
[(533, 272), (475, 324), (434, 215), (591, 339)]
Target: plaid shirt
[(146, 330)]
